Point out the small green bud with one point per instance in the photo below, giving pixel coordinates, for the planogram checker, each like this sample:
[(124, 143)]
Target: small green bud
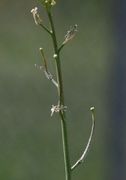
[(55, 56), (53, 3), (48, 3)]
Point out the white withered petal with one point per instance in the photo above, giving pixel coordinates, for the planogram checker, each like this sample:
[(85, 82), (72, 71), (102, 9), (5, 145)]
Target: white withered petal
[(70, 34), (57, 108), (36, 16)]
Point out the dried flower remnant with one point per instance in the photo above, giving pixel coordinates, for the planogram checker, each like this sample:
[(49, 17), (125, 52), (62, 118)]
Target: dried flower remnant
[(57, 108), (36, 16), (44, 67), (70, 34)]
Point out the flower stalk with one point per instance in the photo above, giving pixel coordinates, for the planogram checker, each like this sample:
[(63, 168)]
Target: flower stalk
[(60, 107), (61, 99)]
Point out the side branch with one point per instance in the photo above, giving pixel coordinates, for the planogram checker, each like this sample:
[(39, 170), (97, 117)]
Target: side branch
[(45, 69), (83, 156), (38, 20), (45, 28), (69, 36)]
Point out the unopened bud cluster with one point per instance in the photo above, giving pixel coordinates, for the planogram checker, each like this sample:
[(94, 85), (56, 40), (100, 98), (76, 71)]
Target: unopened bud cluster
[(49, 2)]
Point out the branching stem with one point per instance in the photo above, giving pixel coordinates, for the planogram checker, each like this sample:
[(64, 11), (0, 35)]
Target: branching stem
[(61, 98), (60, 107)]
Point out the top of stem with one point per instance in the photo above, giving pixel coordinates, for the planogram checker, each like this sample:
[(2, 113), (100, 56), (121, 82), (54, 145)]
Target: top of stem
[(48, 3)]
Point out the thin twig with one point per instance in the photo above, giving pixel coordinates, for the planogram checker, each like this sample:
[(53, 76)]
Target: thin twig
[(38, 20), (44, 59), (83, 156), (45, 69), (45, 28), (61, 46)]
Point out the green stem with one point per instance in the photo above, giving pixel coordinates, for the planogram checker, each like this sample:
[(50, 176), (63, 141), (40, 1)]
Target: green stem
[(65, 148), (61, 99), (45, 28)]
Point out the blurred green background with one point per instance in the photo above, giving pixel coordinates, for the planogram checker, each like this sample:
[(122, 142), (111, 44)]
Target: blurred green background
[(30, 140)]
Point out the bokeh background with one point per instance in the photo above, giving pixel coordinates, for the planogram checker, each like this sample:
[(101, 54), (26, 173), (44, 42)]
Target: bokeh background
[(94, 72)]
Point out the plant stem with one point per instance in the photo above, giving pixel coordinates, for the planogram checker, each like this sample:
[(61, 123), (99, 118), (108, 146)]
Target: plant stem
[(60, 99), (84, 154), (45, 28)]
